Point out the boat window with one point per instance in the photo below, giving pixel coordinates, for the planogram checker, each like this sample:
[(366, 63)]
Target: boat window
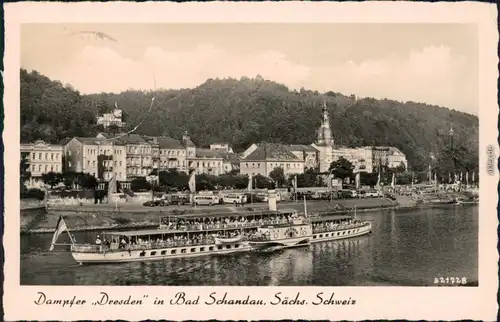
[(163, 252), (142, 254), (211, 248), (338, 234), (183, 251), (228, 246), (202, 249), (173, 251), (153, 253), (348, 231), (193, 250), (343, 233), (237, 245), (326, 235), (314, 236), (320, 236), (219, 247)]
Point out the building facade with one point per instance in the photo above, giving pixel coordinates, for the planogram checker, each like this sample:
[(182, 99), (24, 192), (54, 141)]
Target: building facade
[(307, 153), (99, 157), (361, 158), (41, 158), (267, 156)]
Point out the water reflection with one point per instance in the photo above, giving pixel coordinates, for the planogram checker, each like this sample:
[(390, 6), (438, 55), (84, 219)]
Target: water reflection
[(407, 247)]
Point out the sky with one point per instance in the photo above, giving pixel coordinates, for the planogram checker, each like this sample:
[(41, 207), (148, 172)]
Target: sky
[(430, 63)]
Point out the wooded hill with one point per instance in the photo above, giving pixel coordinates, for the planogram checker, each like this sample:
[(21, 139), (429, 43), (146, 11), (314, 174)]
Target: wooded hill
[(241, 112)]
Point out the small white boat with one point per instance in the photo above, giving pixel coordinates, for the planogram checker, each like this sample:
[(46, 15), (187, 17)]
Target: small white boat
[(227, 240)]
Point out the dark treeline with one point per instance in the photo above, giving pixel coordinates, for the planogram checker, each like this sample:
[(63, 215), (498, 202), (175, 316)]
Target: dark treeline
[(246, 111)]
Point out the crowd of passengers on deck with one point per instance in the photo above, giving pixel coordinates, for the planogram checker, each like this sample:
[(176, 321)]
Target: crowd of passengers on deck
[(336, 225), (138, 242), (225, 222)]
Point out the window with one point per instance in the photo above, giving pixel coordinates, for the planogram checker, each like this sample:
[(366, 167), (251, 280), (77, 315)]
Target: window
[(142, 254), (193, 250), (321, 236), (52, 156), (211, 248), (183, 251), (39, 156), (46, 156), (33, 167), (228, 246), (153, 253), (202, 249), (163, 252), (46, 168), (219, 247), (39, 168), (314, 236)]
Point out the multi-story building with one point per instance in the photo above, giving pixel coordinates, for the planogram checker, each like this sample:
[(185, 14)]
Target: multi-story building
[(140, 157), (361, 158), (224, 147), (172, 154), (41, 158), (265, 157), (306, 153), (208, 161), (99, 157), (396, 158), (111, 119)]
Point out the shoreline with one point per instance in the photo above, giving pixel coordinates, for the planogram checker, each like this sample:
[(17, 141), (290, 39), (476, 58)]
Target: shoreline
[(127, 223)]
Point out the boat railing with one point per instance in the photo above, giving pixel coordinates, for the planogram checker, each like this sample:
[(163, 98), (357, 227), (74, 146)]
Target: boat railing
[(259, 238)]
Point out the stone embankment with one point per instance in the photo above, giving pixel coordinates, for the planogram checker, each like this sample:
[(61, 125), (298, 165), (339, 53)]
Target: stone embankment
[(100, 217)]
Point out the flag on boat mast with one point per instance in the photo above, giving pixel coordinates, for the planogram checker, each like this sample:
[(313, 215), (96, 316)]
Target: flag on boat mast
[(250, 183), (329, 180), (358, 180), (60, 228), (192, 182), (295, 183), (393, 182)]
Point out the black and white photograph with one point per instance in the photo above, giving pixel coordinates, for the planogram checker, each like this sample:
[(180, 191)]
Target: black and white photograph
[(250, 154)]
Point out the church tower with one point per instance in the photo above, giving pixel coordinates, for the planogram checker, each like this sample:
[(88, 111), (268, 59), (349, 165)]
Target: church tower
[(324, 143), (325, 133)]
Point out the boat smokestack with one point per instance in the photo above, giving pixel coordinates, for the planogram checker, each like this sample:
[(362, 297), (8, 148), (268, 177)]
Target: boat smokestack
[(271, 198)]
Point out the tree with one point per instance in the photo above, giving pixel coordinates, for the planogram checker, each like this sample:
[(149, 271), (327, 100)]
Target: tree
[(86, 181), (24, 172), (262, 182), (342, 168), (140, 184), (69, 179), (52, 178), (278, 176), (173, 179)]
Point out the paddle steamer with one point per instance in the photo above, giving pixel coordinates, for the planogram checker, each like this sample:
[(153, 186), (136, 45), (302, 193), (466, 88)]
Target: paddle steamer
[(195, 235)]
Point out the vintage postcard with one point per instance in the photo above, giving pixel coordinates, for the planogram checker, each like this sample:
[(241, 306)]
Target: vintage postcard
[(251, 161)]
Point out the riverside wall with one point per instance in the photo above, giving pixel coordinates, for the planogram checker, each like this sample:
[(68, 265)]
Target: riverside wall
[(100, 217)]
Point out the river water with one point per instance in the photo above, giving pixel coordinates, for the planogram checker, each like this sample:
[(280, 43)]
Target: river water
[(407, 248)]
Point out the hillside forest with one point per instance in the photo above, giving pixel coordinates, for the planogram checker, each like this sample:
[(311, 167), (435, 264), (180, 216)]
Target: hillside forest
[(245, 111)]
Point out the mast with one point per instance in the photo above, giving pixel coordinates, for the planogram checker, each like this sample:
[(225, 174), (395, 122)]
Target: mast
[(305, 207)]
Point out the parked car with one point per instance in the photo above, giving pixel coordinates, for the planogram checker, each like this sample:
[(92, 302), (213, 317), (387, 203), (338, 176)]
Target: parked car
[(149, 203), (236, 199), (179, 200), (161, 202), (206, 200), (372, 194)]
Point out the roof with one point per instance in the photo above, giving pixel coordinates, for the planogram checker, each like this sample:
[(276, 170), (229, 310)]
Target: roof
[(169, 143), (65, 141), (207, 153), (271, 152), (132, 139), (96, 141), (302, 147), (231, 157)]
